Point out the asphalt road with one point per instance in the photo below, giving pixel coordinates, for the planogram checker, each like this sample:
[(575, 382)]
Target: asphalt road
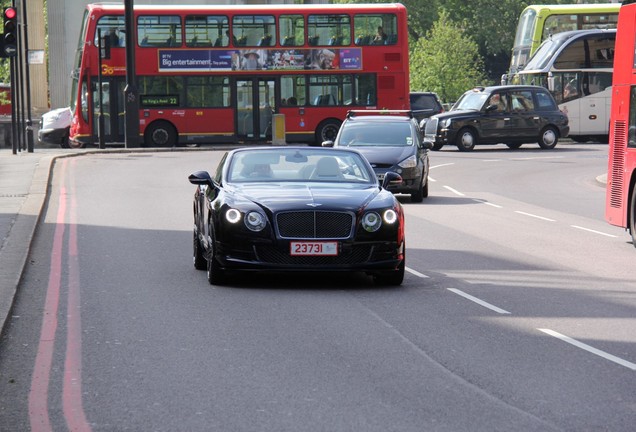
[(517, 311)]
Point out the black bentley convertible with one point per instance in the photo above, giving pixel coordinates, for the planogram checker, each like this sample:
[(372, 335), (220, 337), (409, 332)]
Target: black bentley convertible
[(297, 209)]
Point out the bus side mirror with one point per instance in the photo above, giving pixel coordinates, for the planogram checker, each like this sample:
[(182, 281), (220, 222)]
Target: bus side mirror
[(551, 83)]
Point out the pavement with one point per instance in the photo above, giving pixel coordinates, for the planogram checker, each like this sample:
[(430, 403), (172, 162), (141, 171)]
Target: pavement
[(24, 185)]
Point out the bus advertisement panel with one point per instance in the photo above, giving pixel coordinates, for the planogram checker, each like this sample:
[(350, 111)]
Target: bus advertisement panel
[(538, 22), (209, 74), (577, 68), (620, 204)]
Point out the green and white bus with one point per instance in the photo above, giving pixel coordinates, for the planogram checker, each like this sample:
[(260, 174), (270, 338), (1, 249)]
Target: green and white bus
[(538, 22)]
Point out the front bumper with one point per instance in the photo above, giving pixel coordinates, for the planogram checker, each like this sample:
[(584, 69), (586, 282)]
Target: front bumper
[(367, 257), (53, 136)]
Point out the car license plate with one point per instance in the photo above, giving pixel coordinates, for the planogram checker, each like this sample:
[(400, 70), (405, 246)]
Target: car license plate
[(313, 248)]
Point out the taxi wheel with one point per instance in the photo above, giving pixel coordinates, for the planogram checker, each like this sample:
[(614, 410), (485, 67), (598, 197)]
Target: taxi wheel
[(548, 138), (437, 146), (466, 139)]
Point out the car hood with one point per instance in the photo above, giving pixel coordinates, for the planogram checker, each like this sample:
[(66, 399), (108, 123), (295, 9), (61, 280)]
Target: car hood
[(385, 155), (285, 196), (459, 114)]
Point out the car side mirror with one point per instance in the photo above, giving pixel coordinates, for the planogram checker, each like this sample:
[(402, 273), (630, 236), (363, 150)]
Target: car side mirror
[(391, 177), (201, 178), (491, 108), (328, 143)]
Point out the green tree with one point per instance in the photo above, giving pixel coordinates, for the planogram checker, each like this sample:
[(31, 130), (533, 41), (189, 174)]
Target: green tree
[(446, 60)]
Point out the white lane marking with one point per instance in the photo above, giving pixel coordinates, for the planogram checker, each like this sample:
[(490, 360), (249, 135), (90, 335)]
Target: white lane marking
[(492, 160), (537, 157), (478, 301), (442, 165), (431, 179), (589, 348), (535, 216), (454, 191), (487, 203), (592, 231), (416, 273)]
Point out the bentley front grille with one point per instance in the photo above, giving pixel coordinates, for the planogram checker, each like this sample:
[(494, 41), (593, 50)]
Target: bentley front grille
[(315, 225)]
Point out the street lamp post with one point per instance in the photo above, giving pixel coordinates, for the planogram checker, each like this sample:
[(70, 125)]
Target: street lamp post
[(130, 91)]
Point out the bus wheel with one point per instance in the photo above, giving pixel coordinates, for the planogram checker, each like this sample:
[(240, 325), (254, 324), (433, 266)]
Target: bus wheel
[(327, 131), (632, 217), (466, 140), (160, 134), (548, 138)]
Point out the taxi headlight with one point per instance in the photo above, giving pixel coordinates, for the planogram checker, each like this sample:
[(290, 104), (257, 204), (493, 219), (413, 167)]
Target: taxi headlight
[(445, 123)]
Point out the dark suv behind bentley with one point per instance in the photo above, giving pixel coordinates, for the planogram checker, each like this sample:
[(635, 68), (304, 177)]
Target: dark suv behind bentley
[(511, 115)]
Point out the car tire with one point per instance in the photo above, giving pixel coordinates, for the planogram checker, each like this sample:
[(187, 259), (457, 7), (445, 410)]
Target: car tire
[(215, 274), (64, 142), (421, 193), (466, 140), (437, 147), (392, 278), (327, 131), (160, 134), (548, 138), (514, 146), (198, 256)]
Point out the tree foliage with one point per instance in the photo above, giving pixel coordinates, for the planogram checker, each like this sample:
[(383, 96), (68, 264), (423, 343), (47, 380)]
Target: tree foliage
[(446, 60)]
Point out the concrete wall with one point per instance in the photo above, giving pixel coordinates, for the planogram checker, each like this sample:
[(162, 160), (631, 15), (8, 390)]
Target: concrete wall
[(64, 20)]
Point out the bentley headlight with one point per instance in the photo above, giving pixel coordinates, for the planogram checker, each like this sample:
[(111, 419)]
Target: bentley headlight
[(409, 162), (233, 216), (371, 222), (254, 221), (445, 123), (390, 216)]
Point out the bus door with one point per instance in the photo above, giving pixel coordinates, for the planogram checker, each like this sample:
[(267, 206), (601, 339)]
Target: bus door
[(255, 105), (113, 109)]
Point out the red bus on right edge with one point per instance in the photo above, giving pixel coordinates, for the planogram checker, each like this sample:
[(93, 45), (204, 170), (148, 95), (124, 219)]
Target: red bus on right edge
[(620, 207)]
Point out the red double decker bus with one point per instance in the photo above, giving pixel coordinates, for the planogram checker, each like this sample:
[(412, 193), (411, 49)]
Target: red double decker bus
[(209, 74), (620, 207)]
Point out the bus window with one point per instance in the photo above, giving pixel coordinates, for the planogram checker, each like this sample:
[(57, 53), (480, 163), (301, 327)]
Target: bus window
[(207, 92), (323, 90), (631, 131), (365, 90), (334, 30), (292, 90), (292, 30), (159, 30), (114, 27), (206, 31), (365, 29), (254, 30)]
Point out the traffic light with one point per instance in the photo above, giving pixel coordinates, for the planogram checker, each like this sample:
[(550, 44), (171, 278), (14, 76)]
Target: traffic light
[(10, 32)]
